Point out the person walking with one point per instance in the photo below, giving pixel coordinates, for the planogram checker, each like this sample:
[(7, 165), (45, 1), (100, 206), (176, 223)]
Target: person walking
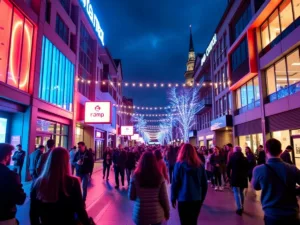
[(84, 162), (44, 156), (119, 160), (18, 159), (237, 169), (189, 186), (261, 155), (251, 162), (149, 192), (171, 156), (130, 164), (216, 160), (277, 181), (33, 162), (161, 165), (11, 191), (208, 167), (107, 162), (56, 195), (72, 155), (285, 156)]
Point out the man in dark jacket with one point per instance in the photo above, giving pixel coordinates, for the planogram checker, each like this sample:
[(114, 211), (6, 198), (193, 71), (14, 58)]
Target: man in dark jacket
[(119, 160), (130, 164), (18, 159), (84, 162), (285, 156), (11, 191), (261, 155), (277, 180), (172, 157), (43, 159), (33, 162), (237, 170)]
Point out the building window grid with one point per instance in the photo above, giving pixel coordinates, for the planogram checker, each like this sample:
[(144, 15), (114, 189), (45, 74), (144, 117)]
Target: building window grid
[(66, 5), (242, 22), (62, 29)]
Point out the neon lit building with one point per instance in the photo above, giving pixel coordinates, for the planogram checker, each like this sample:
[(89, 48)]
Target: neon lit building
[(255, 71), (52, 61)]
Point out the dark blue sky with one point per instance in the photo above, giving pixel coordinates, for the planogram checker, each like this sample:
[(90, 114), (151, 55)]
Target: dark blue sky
[(152, 37)]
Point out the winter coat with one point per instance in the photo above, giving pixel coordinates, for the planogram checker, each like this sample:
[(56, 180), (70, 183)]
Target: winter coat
[(251, 162), (88, 162), (286, 157), (119, 158), (189, 183), (130, 162), (33, 161), (237, 169), (216, 159), (151, 204), (172, 156), (18, 158), (261, 158), (107, 158)]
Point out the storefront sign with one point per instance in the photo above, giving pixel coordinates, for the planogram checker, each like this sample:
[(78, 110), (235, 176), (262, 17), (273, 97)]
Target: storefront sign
[(15, 140), (93, 19), (221, 122), (201, 138), (135, 137), (97, 112), (99, 134), (209, 48), (126, 130)]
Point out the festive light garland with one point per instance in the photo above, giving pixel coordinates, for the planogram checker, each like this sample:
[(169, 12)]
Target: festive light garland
[(145, 107), (161, 120), (152, 84), (150, 115)]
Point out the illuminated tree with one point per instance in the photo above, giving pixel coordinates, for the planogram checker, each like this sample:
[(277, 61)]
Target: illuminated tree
[(140, 124), (184, 104), (165, 134)]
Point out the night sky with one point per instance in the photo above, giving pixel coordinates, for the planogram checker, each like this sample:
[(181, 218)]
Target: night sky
[(152, 39)]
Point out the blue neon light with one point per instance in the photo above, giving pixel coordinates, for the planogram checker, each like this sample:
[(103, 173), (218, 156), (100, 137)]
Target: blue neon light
[(56, 77)]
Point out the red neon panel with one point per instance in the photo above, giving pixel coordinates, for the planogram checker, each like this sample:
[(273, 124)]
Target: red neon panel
[(26, 56), (5, 29), (15, 49)]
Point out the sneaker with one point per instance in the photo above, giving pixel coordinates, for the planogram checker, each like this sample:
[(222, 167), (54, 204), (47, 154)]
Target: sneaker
[(212, 186), (239, 212), (216, 188), (221, 189)]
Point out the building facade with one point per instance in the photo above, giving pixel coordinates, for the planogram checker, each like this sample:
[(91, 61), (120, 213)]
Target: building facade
[(52, 61), (255, 73)]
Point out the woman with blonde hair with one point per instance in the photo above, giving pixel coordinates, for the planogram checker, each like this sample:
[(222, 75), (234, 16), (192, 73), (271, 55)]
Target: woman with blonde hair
[(189, 186), (56, 195)]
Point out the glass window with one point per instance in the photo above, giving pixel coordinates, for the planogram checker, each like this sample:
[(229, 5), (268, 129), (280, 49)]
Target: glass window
[(238, 99), (265, 39), (286, 14), (274, 25), (271, 83), (283, 137), (281, 75), (250, 92), (296, 4), (293, 65), (256, 89), (62, 29), (244, 95)]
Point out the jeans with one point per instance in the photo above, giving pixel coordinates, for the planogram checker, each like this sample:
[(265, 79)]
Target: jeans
[(84, 181), (119, 171), (171, 168), (189, 212), (293, 220), (106, 168), (217, 178), (128, 174), (238, 196), (18, 170)]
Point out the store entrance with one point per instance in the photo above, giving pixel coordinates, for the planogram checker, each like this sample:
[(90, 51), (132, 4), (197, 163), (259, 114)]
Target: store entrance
[(99, 145), (296, 146), (42, 138)]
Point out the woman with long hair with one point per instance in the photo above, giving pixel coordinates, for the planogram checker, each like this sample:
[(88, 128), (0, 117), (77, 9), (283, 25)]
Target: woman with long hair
[(161, 165), (216, 161), (56, 195), (251, 162), (189, 186), (148, 190)]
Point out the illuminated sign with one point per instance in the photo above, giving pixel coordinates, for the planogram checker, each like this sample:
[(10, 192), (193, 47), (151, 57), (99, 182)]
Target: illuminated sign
[(135, 137), (99, 134), (93, 19), (209, 48), (3, 124), (126, 130), (97, 112)]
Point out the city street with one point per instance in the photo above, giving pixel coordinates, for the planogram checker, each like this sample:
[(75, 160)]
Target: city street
[(111, 207)]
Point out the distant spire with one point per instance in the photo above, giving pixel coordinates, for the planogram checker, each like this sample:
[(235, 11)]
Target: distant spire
[(191, 49)]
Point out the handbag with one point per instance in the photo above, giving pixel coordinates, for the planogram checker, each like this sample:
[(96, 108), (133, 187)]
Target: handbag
[(296, 189)]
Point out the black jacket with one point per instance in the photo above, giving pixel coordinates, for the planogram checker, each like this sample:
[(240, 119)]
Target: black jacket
[(107, 160), (119, 158), (61, 212), (88, 162), (216, 159), (11, 193), (42, 161), (286, 157), (251, 162), (261, 158), (237, 170), (33, 161), (130, 162), (19, 157)]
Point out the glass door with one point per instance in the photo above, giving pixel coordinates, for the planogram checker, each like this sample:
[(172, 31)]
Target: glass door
[(41, 139), (296, 153)]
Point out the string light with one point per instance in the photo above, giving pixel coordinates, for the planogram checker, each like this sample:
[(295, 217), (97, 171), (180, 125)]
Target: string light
[(149, 115), (146, 107)]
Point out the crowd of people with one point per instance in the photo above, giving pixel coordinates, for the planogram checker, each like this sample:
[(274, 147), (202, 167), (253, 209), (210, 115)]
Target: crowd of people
[(58, 197)]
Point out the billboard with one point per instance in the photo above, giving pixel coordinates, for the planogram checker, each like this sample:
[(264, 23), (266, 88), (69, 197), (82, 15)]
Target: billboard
[(98, 112), (126, 130)]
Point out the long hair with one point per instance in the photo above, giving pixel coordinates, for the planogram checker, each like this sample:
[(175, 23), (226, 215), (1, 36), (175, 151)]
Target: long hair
[(147, 171), (52, 181), (188, 154)]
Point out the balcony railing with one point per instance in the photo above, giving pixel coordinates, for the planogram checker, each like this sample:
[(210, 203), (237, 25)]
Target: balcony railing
[(205, 102), (283, 92)]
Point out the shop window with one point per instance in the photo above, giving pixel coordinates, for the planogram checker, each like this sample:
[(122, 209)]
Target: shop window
[(286, 14), (56, 78), (265, 34), (252, 141), (282, 136), (3, 127), (293, 70), (296, 4), (274, 25), (16, 46), (256, 89), (281, 78), (270, 76)]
